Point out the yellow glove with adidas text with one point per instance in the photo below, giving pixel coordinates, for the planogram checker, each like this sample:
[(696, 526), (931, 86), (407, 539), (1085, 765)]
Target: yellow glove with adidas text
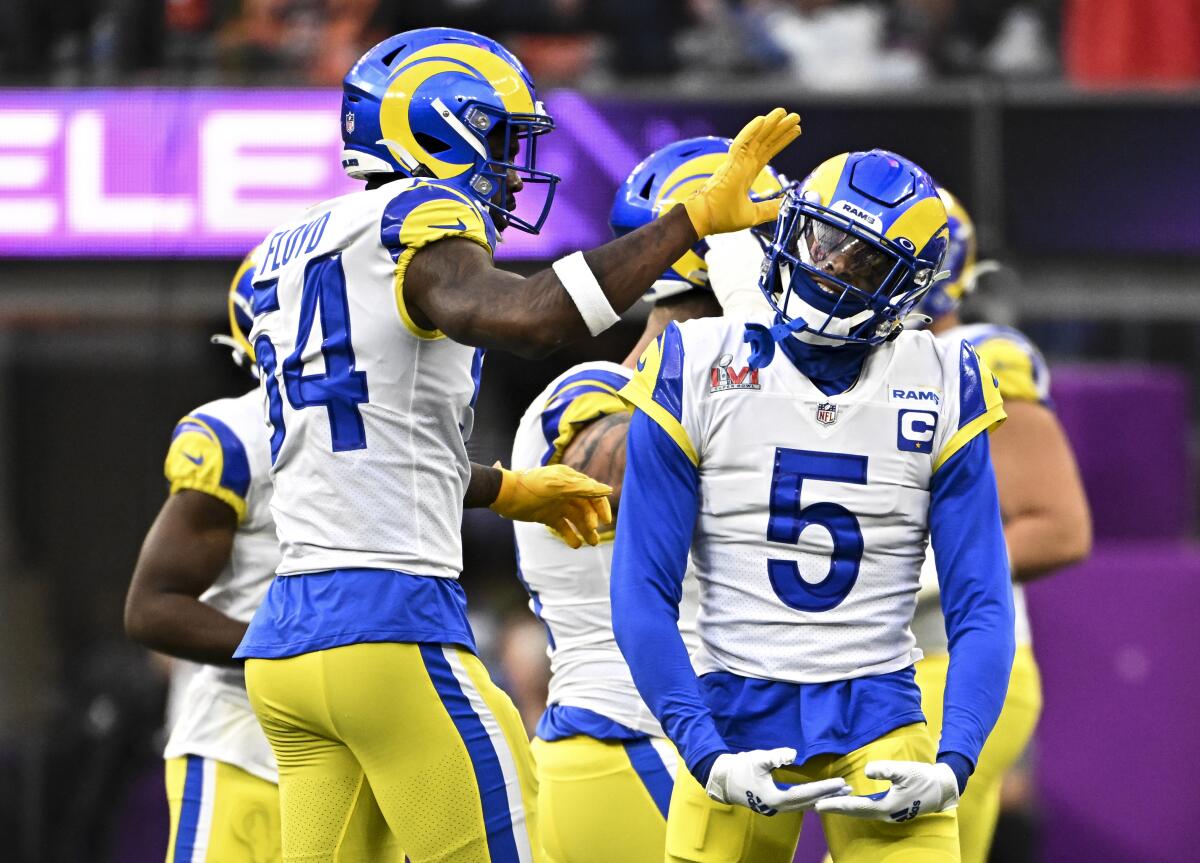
[(723, 203), (570, 503)]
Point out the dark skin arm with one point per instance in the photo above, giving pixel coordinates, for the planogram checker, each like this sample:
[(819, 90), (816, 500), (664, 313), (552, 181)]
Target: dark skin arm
[(482, 488), (184, 552), (452, 285)]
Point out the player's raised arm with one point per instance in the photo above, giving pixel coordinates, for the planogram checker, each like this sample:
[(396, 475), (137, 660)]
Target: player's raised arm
[(453, 286)]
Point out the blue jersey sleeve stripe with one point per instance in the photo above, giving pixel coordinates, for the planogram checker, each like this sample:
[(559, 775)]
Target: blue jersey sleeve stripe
[(653, 773), (189, 813), (971, 401), (489, 777), (235, 471), (591, 376), (668, 389)]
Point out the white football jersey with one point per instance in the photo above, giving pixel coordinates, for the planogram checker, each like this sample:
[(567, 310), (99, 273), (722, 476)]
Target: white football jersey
[(814, 509), (370, 412), (222, 449), (1023, 375), (569, 588)]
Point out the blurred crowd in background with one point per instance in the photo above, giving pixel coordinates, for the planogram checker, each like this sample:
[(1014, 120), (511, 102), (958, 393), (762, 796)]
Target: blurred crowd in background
[(820, 43)]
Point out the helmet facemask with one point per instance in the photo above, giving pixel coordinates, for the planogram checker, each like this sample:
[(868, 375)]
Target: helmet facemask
[(840, 281), (507, 147)]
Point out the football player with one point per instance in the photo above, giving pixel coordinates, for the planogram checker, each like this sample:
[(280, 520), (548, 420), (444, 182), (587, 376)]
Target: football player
[(361, 664), (1047, 525), (804, 459), (597, 740), (203, 569)]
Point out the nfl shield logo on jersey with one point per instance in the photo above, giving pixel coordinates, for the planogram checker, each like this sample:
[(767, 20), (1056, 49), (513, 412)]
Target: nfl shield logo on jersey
[(827, 413)]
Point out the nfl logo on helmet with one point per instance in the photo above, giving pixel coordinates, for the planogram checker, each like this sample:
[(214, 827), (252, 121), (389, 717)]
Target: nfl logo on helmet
[(827, 413)]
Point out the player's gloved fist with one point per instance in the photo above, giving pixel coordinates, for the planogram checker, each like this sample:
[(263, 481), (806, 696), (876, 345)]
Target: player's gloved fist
[(723, 203), (745, 778), (917, 789), (570, 503), (734, 261)]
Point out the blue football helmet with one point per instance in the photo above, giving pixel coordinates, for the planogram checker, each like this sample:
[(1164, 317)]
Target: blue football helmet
[(665, 178), (447, 104), (946, 295), (241, 315), (858, 243)]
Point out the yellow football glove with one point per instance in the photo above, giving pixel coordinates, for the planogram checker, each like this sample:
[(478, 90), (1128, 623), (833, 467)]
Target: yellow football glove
[(570, 503), (723, 203)]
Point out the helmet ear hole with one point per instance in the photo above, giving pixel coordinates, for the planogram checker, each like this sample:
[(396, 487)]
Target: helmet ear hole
[(430, 144), (645, 192), (388, 58)]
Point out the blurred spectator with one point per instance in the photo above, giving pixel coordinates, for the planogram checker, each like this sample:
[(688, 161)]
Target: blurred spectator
[(525, 667), (818, 43)]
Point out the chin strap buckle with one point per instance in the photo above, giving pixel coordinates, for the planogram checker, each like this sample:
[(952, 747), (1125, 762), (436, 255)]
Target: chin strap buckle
[(762, 340)]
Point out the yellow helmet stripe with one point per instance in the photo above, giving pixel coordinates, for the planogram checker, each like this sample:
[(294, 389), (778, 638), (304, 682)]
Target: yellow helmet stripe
[(234, 330), (824, 180), (920, 223), (507, 81)]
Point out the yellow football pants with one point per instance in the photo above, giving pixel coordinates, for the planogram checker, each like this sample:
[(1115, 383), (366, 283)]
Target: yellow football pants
[(700, 830), (980, 805), (604, 801), (220, 813), (422, 728)]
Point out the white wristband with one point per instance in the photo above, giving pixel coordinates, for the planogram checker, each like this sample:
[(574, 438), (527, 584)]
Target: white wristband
[(580, 282)]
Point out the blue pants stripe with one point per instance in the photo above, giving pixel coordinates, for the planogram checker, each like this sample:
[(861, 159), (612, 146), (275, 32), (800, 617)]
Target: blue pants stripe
[(650, 769), (189, 813), (502, 844)]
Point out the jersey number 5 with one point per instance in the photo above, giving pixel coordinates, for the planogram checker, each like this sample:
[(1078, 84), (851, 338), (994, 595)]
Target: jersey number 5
[(789, 519), (342, 387)]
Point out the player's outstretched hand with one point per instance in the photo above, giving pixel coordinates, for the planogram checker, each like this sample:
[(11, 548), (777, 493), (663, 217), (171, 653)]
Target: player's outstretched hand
[(917, 789), (723, 203), (745, 778), (570, 503)]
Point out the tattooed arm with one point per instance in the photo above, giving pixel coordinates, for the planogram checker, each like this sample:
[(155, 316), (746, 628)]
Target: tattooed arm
[(598, 450), (453, 286)]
